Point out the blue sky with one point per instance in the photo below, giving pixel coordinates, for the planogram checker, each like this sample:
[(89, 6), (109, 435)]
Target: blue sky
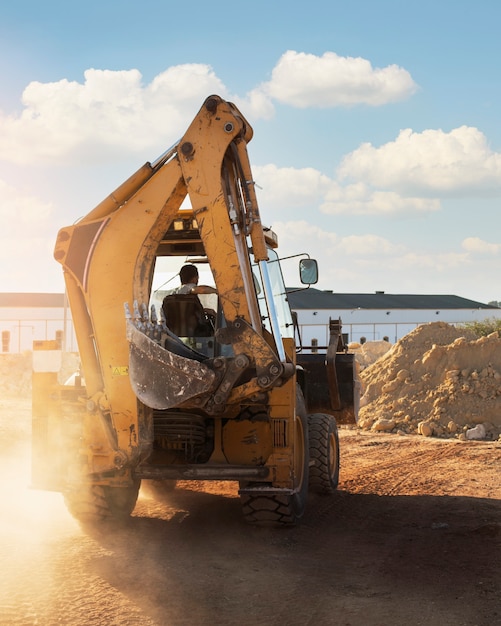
[(377, 145)]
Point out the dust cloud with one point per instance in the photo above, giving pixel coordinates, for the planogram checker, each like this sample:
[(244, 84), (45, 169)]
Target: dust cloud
[(52, 571), (31, 521)]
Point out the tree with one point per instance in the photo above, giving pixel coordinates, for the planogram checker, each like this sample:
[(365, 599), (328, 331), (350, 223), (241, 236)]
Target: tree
[(485, 327)]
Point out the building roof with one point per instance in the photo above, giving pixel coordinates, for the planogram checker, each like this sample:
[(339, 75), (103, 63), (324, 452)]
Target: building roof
[(299, 299), (31, 300), (316, 299)]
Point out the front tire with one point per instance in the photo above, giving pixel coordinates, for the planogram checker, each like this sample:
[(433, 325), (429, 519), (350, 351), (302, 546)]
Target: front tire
[(324, 453), (287, 508), (95, 504)]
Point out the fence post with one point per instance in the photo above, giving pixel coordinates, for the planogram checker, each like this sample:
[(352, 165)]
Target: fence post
[(5, 340)]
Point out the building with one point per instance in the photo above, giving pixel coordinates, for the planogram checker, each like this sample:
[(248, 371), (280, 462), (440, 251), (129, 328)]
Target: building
[(376, 316), (26, 317)]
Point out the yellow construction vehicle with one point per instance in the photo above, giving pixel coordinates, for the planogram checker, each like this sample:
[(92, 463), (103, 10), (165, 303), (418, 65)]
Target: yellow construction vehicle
[(170, 390)]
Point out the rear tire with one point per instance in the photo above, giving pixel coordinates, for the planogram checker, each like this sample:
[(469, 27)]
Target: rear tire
[(284, 509), (324, 453), (94, 504)]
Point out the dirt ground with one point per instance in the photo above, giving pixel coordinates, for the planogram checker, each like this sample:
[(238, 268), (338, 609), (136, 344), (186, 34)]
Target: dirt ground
[(412, 537)]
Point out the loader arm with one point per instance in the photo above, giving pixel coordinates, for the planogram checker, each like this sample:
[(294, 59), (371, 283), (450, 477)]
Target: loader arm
[(212, 164)]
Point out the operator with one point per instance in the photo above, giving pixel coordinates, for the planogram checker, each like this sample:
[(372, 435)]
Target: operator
[(189, 282)]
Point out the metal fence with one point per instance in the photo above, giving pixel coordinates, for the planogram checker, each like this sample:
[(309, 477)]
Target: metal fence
[(18, 335), (317, 335)]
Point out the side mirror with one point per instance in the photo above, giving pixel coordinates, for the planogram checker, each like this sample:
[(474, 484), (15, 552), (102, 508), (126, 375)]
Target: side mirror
[(308, 271)]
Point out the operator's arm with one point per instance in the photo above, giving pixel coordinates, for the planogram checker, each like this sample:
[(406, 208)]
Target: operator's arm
[(203, 289)]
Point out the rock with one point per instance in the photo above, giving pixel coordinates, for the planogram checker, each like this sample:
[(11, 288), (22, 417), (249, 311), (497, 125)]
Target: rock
[(477, 419), (365, 424), (384, 425), (403, 375), (390, 386), (425, 429), (452, 427), (476, 433)]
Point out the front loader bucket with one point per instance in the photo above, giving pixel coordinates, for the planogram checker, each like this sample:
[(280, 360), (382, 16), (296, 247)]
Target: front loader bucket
[(337, 392), (348, 384), (162, 379)]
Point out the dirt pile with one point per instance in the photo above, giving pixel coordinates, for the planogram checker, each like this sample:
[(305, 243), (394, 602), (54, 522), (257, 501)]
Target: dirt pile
[(438, 380), (16, 370), (367, 353), (15, 373)]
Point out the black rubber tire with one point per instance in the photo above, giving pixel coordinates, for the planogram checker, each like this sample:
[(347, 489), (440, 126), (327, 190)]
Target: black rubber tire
[(262, 509), (324, 453), (94, 504)]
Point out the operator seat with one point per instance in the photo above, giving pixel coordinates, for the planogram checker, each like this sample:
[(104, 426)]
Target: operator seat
[(185, 316)]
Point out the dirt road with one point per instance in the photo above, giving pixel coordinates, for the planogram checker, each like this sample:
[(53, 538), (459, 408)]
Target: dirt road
[(412, 537)]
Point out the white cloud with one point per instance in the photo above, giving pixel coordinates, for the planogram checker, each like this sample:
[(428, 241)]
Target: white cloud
[(431, 162), (31, 264), (27, 237), (289, 187), (360, 199), (298, 231), (368, 262), (369, 246), (19, 211), (305, 80), (406, 177), (477, 246), (112, 112), (255, 104), (302, 236)]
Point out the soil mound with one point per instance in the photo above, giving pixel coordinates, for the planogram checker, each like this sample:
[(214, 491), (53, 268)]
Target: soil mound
[(16, 370), (15, 373), (438, 380), (367, 353)]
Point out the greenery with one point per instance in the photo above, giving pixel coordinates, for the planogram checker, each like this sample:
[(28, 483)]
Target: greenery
[(485, 327)]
